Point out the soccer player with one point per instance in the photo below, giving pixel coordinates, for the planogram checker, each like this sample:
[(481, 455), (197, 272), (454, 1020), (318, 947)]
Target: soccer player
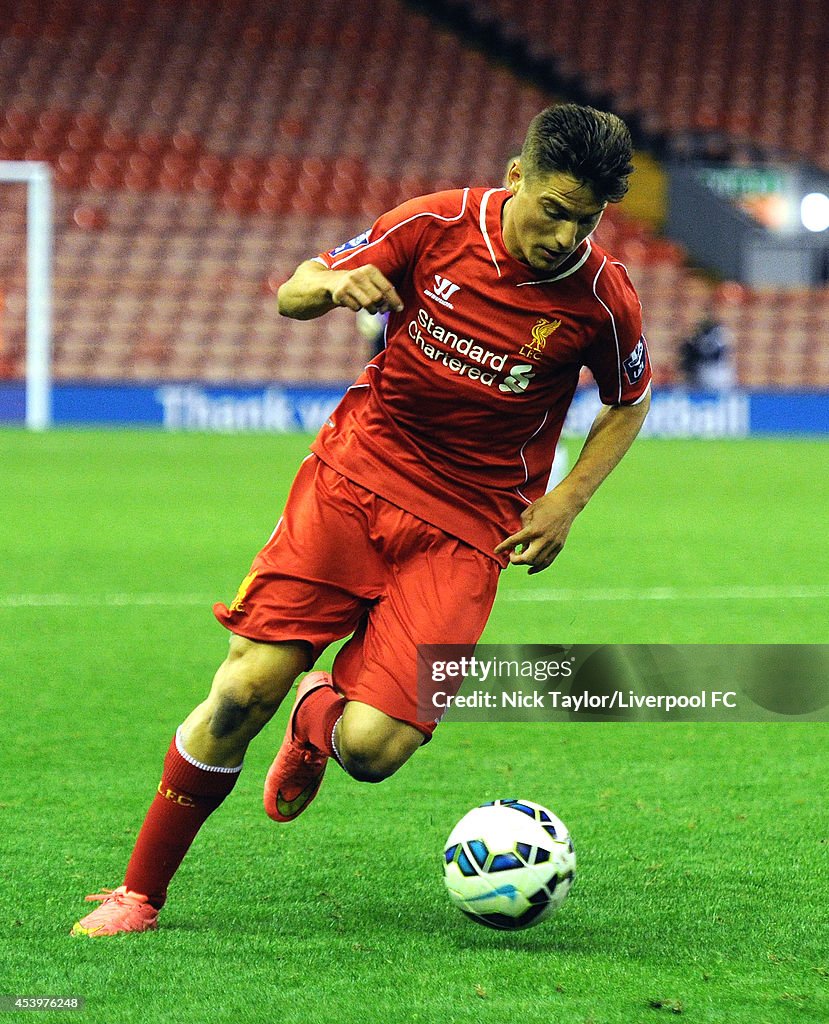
[(425, 483)]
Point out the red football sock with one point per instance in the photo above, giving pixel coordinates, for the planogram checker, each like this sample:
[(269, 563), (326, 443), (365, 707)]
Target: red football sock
[(316, 718), (187, 794)]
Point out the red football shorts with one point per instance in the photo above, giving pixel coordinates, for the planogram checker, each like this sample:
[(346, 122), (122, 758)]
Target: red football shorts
[(343, 560)]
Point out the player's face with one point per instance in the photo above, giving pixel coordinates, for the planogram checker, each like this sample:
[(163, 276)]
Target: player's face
[(548, 217)]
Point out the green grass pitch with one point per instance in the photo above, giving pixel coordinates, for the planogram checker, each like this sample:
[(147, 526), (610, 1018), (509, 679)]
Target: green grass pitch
[(702, 894)]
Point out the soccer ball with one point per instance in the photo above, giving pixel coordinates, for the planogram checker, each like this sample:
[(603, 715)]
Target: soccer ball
[(509, 864)]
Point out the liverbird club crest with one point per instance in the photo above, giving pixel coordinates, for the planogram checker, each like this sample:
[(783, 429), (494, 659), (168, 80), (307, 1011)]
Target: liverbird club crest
[(540, 333)]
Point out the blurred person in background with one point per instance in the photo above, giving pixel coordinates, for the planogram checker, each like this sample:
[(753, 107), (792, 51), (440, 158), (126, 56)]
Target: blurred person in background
[(706, 359)]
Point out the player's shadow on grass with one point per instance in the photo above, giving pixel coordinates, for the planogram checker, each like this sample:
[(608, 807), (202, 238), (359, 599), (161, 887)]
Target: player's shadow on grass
[(381, 924), (532, 940), (567, 938)]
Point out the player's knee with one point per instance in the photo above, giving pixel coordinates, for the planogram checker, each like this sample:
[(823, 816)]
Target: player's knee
[(370, 756), (233, 709), (367, 767), (249, 687)]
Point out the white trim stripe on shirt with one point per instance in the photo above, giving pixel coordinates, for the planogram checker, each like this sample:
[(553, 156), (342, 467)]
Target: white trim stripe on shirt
[(482, 224), (612, 324), (526, 468), (641, 398), (358, 250)]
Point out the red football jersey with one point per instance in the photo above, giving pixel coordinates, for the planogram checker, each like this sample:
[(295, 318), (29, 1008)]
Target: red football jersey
[(457, 420)]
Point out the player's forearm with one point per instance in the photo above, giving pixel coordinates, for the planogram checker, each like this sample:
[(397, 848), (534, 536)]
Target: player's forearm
[(611, 435), (307, 293), (314, 290)]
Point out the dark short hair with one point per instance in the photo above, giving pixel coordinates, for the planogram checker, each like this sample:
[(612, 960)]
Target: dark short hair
[(591, 145)]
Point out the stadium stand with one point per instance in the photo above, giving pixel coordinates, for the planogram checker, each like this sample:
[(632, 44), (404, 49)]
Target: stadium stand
[(731, 77), (201, 148)]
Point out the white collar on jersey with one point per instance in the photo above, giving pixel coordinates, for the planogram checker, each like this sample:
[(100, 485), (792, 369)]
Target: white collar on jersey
[(547, 280), (588, 248)]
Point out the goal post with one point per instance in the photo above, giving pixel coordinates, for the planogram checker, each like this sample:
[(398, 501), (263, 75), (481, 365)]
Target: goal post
[(37, 177)]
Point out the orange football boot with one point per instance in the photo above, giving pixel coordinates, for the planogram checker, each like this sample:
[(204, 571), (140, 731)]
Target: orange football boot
[(120, 911), (296, 773)]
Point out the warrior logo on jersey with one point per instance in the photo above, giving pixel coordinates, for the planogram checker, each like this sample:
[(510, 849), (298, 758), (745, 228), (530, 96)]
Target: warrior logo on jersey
[(540, 333), (443, 291), (352, 243), (634, 365), (518, 380)]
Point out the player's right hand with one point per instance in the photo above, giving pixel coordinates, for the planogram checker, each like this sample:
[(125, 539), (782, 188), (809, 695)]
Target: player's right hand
[(365, 288)]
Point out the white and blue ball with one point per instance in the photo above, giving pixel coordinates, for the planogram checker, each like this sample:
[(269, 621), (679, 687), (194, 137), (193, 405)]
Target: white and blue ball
[(509, 864)]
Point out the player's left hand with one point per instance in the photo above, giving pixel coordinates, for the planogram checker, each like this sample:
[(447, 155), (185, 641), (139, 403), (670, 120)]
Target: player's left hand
[(544, 529)]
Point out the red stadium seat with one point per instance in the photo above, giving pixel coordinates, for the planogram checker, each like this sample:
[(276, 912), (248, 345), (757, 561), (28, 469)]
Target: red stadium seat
[(198, 158)]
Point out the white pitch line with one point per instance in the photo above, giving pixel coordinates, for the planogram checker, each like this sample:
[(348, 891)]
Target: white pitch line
[(102, 600), (170, 600), (727, 593)]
